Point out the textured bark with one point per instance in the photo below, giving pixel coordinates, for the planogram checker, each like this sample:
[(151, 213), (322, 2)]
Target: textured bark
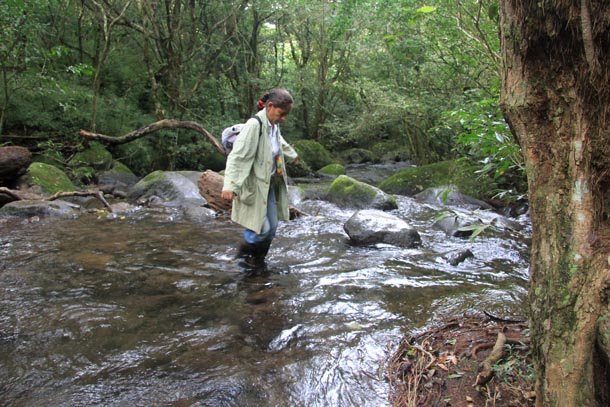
[(210, 187), (555, 97)]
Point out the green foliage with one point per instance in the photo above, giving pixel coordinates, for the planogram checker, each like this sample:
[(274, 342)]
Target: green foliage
[(485, 139), (376, 76)]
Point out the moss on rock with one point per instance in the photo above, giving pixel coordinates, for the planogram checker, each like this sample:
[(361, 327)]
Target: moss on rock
[(119, 167), (333, 169), (49, 178), (411, 181), (358, 156), (313, 153), (349, 192), (96, 156)]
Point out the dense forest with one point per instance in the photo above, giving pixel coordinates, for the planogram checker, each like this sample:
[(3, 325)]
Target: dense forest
[(372, 80)]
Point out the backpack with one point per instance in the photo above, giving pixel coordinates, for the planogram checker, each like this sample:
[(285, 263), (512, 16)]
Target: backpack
[(230, 134)]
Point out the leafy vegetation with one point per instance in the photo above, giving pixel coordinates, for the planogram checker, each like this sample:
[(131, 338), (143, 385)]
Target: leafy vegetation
[(372, 80)]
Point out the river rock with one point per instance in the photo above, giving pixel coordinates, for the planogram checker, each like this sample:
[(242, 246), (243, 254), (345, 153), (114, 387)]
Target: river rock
[(371, 226), (168, 189), (32, 208), (457, 257), (450, 196), (454, 226), (45, 179), (14, 162), (96, 156), (116, 181), (347, 192)]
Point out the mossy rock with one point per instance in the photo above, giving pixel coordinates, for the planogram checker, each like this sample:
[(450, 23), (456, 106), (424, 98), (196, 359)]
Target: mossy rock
[(358, 156), (332, 169), (54, 158), (313, 153), (411, 181), (49, 178), (348, 192), (119, 167), (96, 156)]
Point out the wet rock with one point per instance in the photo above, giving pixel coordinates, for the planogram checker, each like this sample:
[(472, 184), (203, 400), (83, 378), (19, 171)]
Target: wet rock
[(168, 188), (372, 226), (347, 192), (117, 180), (36, 208), (454, 226), (450, 196), (285, 338), (458, 257)]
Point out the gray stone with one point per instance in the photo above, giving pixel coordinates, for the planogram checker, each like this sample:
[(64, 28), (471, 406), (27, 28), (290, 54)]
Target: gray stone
[(31, 208), (371, 226)]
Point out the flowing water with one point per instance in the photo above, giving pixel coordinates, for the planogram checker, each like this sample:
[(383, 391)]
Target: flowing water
[(151, 310)]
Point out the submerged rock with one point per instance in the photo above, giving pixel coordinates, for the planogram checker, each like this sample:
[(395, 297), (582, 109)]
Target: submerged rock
[(374, 226), (449, 195), (32, 208)]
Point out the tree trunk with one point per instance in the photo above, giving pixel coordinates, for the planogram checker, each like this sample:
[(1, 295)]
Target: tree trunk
[(555, 97)]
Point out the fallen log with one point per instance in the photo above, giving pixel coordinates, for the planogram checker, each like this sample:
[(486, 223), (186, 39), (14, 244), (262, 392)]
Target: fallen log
[(151, 128), (210, 185)]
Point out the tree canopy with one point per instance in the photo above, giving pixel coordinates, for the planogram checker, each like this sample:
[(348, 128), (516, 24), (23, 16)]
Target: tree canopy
[(418, 81)]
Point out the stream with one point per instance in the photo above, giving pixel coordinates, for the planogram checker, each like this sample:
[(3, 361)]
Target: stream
[(150, 309)]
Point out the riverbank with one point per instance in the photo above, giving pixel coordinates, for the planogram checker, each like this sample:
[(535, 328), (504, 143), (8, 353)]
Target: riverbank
[(465, 362)]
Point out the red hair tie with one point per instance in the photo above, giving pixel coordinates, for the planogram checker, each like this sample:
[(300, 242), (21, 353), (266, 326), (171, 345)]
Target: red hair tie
[(261, 104)]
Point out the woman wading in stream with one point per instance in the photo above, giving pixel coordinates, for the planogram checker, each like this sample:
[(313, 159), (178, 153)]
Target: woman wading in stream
[(255, 177)]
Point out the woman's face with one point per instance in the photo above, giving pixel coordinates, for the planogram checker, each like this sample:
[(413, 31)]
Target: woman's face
[(277, 115)]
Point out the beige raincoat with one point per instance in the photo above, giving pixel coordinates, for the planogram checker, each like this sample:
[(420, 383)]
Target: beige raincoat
[(248, 174)]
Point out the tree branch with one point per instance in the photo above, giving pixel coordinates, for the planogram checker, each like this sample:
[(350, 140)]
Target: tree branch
[(151, 128)]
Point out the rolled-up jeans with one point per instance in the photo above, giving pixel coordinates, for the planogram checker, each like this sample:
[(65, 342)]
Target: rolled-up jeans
[(271, 219)]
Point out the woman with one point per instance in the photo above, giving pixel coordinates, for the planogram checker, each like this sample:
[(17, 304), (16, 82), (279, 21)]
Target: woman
[(255, 177)]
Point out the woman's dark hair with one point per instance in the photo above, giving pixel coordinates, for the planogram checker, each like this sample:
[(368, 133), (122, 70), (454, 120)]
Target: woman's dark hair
[(279, 97)]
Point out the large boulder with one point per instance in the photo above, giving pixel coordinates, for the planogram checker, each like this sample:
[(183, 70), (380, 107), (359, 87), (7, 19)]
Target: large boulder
[(372, 226), (313, 153), (46, 179), (347, 192), (167, 188), (14, 162)]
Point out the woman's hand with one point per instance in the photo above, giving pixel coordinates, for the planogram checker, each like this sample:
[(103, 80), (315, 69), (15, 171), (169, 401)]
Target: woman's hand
[(227, 195)]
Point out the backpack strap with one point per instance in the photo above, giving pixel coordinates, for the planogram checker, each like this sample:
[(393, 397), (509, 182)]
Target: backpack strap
[(260, 131)]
